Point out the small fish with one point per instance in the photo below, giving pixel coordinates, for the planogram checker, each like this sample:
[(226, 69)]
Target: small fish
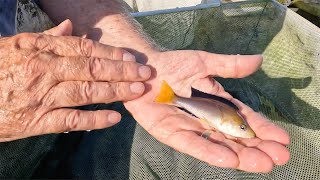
[(214, 111)]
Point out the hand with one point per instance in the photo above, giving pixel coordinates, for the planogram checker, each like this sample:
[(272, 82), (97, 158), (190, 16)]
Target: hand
[(170, 125), (41, 75)]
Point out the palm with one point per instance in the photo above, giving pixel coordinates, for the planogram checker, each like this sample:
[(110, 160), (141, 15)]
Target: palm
[(186, 69)]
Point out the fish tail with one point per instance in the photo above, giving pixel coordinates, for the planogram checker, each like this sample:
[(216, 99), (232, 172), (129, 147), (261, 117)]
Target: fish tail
[(166, 94)]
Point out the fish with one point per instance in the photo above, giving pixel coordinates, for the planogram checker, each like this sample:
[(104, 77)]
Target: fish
[(216, 112)]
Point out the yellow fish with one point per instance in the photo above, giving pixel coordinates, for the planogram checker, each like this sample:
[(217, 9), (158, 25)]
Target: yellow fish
[(214, 111)]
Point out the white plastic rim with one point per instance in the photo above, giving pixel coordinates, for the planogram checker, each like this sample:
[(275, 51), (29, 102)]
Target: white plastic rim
[(155, 7)]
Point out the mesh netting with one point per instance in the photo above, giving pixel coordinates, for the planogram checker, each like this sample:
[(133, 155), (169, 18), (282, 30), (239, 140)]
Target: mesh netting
[(286, 90)]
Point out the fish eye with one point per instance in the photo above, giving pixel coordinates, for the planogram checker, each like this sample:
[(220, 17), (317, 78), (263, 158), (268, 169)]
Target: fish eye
[(243, 127)]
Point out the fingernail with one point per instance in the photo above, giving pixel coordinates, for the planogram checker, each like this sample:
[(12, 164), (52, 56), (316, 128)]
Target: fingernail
[(114, 117), (144, 71), (137, 87), (128, 57), (64, 23)]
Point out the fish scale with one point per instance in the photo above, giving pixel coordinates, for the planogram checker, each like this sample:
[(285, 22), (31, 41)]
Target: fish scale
[(198, 107)]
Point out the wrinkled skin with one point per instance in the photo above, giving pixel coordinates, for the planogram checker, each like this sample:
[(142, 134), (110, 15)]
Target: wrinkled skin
[(42, 74), (175, 128)]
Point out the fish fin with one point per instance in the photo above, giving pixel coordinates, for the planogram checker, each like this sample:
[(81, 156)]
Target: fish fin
[(204, 121), (166, 94), (200, 94), (223, 118), (190, 113)]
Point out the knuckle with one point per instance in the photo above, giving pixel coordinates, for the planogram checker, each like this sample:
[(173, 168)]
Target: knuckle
[(221, 88), (111, 92), (86, 91), (38, 62), (119, 69), (26, 36), (117, 66), (196, 64), (10, 131), (91, 121), (86, 47), (117, 53), (49, 99), (73, 120), (23, 38), (94, 68), (13, 125), (119, 91), (233, 67), (4, 41), (218, 88), (224, 70), (43, 42)]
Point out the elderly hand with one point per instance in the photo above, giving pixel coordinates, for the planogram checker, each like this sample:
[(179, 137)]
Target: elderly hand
[(172, 126), (41, 75)]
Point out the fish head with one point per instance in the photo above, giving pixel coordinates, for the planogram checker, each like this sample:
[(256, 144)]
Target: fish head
[(236, 126)]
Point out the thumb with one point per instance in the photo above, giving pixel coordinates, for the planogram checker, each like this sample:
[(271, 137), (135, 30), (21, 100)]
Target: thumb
[(231, 66), (63, 29)]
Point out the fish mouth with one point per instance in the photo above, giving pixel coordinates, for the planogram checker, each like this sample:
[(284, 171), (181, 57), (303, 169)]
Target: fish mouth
[(246, 135), (250, 134)]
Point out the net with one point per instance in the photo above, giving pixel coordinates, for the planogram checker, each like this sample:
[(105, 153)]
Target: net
[(286, 90)]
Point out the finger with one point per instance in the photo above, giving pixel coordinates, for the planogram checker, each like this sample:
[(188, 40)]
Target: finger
[(63, 29), (231, 66), (192, 144), (211, 86), (254, 160), (251, 159), (78, 93), (62, 120), (264, 128), (71, 46), (277, 152), (97, 69)]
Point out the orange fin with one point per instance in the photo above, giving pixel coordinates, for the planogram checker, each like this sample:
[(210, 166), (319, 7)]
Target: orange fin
[(166, 94)]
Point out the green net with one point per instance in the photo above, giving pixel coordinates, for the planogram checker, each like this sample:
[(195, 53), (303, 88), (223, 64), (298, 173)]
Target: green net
[(286, 90)]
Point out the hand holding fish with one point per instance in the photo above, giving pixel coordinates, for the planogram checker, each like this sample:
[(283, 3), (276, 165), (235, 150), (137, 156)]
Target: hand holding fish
[(41, 75), (184, 70)]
